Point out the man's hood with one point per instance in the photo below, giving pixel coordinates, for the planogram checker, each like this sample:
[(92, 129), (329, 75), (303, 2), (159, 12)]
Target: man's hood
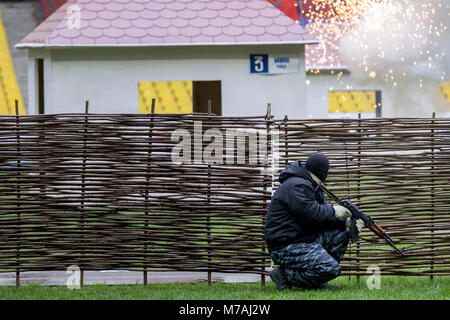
[(295, 169)]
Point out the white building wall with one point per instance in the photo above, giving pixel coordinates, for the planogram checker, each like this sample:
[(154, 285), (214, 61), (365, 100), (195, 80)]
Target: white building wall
[(108, 78), (416, 103), (319, 85)]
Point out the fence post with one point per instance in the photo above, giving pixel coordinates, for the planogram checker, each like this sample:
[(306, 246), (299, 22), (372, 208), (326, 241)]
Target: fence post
[(432, 198), (358, 276), (348, 184), (18, 191), (267, 199), (83, 191), (42, 166), (147, 182), (286, 141), (208, 219)]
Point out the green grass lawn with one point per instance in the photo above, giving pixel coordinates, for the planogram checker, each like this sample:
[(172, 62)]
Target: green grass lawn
[(392, 287)]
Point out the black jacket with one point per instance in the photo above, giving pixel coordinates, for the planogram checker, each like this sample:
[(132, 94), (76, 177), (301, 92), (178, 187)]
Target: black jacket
[(298, 210)]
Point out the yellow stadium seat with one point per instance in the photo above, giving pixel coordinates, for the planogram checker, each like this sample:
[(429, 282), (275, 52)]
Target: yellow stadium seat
[(9, 88)]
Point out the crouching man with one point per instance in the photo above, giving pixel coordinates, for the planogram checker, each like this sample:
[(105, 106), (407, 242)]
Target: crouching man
[(305, 236)]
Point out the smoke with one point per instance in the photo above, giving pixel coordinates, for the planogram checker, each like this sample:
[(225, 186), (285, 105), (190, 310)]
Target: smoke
[(403, 47)]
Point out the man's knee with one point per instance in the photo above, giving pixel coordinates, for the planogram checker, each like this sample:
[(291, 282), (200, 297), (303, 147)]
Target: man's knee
[(325, 266), (327, 271), (334, 269), (344, 235), (335, 241), (314, 276)]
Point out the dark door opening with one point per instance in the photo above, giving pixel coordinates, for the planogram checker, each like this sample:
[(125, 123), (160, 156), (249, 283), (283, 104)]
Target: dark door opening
[(40, 86), (378, 103), (202, 91)]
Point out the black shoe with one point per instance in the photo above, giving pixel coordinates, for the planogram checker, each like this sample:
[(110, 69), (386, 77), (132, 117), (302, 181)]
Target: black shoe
[(277, 276)]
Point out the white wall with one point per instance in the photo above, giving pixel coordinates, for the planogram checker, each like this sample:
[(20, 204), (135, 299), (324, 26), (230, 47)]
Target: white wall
[(108, 78), (317, 89), (400, 101)]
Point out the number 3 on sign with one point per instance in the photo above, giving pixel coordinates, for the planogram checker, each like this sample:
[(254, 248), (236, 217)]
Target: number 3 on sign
[(259, 63)]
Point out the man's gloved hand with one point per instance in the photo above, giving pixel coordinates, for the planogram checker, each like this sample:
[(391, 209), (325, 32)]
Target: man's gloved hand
[(341, 212), (359, 224)]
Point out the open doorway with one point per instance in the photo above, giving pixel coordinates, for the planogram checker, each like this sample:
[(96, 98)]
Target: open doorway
[(40, 86), (202, 92)]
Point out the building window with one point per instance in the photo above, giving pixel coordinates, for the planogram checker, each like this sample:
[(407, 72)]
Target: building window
[(180, 96), (355, 101)]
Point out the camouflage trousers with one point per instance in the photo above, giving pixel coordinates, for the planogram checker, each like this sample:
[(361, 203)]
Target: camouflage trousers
[(308, 265)]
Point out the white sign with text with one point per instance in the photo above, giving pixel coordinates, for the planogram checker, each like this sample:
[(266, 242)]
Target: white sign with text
[(273, 64)]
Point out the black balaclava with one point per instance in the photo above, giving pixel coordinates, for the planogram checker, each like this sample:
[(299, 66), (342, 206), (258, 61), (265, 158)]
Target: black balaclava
[(318, 164)]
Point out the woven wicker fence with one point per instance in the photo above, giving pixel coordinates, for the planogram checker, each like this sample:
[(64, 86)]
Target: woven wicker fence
[(104, 192), (398, 172)]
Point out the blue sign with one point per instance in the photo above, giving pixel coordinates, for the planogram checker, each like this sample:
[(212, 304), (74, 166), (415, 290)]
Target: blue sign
[(259, 63), (274, 64)]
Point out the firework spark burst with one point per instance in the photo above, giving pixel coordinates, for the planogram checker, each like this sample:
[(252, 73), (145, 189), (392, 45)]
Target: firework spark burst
[(400, 44)]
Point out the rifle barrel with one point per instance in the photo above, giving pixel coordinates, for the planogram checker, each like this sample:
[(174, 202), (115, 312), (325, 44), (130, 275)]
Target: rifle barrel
[(389, 241), (384, 234)]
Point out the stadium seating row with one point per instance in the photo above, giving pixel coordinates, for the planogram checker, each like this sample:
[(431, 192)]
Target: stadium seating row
[(351, 101), (9, 88), (176, 97), (171, 96)]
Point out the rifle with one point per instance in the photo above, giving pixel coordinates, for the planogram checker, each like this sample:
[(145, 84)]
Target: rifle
[(368, 221)]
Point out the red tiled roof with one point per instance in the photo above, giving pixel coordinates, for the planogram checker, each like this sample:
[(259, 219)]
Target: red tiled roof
[(167, 22)]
